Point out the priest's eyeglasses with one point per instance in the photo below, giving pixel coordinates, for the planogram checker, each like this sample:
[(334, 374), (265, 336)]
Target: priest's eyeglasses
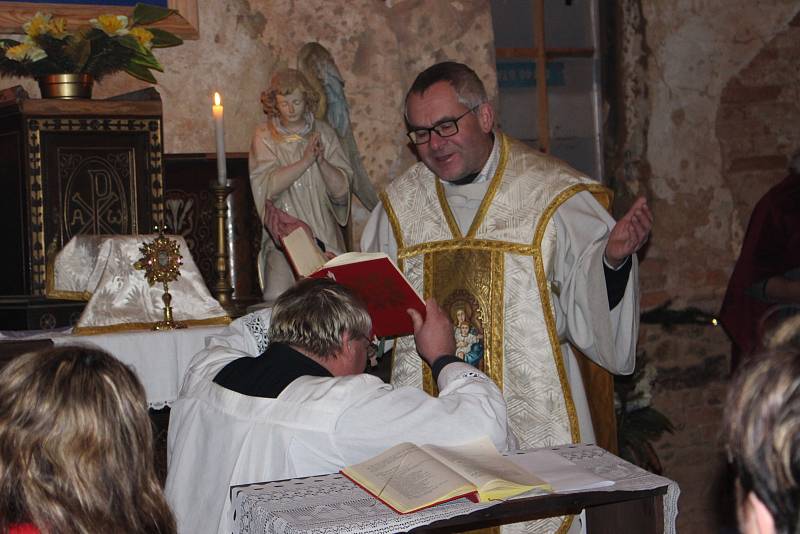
[(448, 128)]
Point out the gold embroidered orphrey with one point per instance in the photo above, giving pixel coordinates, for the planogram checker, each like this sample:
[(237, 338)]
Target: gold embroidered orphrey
[(503, 262), (161, 261)]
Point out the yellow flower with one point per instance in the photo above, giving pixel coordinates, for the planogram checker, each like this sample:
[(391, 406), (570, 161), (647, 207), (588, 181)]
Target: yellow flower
[(58, 28), (38, 25), (25, 50), (111, 24), (145, 37)]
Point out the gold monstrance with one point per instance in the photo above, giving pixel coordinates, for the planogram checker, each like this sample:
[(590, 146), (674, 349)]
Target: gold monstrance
[(161, 260)]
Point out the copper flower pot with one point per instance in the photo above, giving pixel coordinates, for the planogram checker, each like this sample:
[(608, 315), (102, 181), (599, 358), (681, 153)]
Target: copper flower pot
[(67, 86)]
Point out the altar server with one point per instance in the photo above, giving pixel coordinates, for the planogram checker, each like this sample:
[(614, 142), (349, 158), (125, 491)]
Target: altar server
[(304, 407)]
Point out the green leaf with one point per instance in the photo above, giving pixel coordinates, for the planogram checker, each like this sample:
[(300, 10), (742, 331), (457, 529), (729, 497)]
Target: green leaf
[(8, 43), (148, 14), (163, 39), (141, 72), (78, 51), (131, 43), (148, 61)]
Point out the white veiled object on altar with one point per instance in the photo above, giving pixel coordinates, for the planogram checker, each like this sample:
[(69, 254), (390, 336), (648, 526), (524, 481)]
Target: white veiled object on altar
[(99, 268)]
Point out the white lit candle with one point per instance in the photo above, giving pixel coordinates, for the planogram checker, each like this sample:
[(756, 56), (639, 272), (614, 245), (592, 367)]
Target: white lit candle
[(222, 173)]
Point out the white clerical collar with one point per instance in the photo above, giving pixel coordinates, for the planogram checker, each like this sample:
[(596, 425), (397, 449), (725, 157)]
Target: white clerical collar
[(489, 167)]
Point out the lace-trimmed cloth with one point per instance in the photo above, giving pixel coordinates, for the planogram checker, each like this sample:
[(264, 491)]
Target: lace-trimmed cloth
[(334, 505)]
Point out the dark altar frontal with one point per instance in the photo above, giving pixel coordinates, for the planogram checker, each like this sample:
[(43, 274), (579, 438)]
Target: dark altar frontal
[(70, 167)]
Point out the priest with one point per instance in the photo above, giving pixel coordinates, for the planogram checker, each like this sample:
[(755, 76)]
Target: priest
[(520, 239)]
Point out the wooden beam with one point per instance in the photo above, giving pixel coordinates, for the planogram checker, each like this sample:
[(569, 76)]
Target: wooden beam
[(542, 110), (551, 53)]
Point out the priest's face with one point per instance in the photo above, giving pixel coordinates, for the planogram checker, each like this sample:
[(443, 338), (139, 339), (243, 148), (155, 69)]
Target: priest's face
[(454, 157)]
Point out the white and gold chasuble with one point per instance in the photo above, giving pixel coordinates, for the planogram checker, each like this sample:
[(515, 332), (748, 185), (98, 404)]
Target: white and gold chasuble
[(502, 273), (500, 268)]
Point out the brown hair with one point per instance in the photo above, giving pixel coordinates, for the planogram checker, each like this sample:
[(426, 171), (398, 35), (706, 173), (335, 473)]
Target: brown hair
[(469, 89), (76, 446)]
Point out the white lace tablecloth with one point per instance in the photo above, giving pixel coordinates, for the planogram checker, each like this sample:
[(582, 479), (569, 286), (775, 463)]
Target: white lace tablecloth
[(332, 504)]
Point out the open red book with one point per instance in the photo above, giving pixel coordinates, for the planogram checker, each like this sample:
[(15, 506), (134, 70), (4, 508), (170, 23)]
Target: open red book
[(372, 276)]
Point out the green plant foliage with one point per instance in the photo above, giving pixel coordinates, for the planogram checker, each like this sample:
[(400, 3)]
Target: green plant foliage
[(638, 423), (112, 44)]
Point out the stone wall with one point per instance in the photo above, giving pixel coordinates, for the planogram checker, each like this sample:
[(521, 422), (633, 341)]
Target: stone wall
[(707, 119), (379, 47), (706, 104)]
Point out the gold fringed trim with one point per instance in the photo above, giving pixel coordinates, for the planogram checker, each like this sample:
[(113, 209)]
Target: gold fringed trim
[(603, 195), (455, 231), (50, 279), (486, 203), (67, 295), (398, 236), (497, 179), (547, 309), (565, 525), (393, 220), (495, 362), (127, 327), (460, 244), (428, 384)]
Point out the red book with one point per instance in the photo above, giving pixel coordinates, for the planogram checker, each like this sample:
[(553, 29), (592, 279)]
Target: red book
[(372, 276)]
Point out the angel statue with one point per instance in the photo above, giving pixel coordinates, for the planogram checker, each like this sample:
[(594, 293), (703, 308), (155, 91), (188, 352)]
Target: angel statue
[(317, 64), (298, 165)]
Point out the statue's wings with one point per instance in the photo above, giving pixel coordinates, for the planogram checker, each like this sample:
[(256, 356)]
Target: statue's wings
[(317, 64)]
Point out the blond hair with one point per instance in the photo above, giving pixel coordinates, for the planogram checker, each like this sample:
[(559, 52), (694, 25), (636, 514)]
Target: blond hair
[(314, 314), (76, 446), (762, 433)]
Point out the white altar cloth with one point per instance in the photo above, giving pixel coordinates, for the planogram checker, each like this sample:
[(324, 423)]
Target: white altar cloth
[(159, 358), (334, 505)]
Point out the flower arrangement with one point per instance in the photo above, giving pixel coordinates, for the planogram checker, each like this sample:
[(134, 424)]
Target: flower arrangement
[(111, 44)]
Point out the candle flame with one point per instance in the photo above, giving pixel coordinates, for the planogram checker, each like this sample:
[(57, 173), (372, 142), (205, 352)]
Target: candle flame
[(216, 99)]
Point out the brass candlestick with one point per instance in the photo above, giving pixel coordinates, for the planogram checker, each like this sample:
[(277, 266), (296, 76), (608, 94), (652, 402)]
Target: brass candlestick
[(223, 291)]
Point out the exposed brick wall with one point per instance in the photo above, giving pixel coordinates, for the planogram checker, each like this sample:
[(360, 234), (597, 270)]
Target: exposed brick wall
[(707, 130), (757, 125), (692, 375)]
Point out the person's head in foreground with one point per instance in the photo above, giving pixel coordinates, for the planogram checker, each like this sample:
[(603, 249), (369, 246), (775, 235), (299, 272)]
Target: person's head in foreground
[(76, 446), (324, 321), (762, 431)]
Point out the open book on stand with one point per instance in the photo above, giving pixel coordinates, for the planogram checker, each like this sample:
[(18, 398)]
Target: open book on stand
[(408, 477), (373, 277)]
